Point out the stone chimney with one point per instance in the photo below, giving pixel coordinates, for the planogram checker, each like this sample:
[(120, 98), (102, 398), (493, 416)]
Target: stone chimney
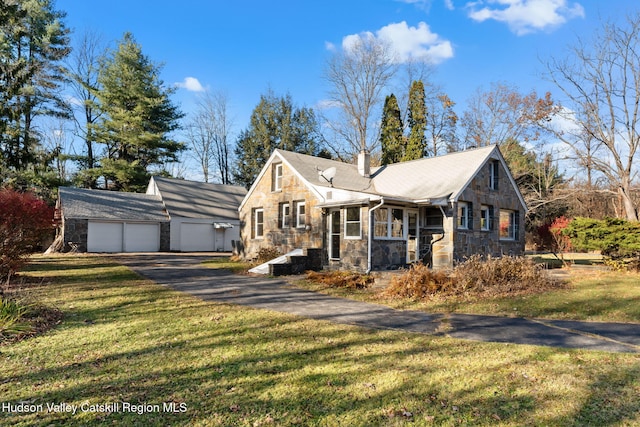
[(364, 163)]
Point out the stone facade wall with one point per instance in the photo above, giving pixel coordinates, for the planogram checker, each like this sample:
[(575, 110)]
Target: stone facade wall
[(353, 252), (488, 243), (75, 231), (388, 254), (165, 236), (443, 242), (283, 239)]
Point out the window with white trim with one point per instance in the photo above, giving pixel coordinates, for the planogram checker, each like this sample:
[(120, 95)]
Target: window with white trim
[(285, 215), (277, 177), (258, 223), (465, 216), (352, 228), (486, 217), (301, 217), (388, 223), (509, 224)]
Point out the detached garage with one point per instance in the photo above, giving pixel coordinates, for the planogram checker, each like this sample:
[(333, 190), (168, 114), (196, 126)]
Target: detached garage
[(204, 216), (109, 221)]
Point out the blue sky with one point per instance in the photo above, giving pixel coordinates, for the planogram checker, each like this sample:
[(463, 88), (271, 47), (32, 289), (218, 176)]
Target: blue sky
[(244, 47)]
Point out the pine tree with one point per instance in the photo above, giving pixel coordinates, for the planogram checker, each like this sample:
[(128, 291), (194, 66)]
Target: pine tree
[(33, 43), (416, 142), (391, 138), (137, 118), (275, 123)]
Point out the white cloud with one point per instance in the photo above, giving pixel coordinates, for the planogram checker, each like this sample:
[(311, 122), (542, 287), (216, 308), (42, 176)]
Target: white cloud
[(330, 46), (449, 4), (526, 16), (191, 84), (408, 43)]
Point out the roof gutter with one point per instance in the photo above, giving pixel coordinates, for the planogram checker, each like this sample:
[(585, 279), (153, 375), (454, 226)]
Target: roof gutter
[(369, 235)]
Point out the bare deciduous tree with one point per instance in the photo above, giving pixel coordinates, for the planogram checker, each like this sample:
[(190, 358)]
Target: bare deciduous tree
[(208, 133), (601, 83), (357, 76), (83, 69), (502, 114)]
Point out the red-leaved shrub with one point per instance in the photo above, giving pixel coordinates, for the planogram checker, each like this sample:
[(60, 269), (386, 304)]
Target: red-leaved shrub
[(24, 221)]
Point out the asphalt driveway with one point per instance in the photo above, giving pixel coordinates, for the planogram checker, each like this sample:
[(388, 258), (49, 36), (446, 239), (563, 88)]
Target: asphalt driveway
[(185, 273)]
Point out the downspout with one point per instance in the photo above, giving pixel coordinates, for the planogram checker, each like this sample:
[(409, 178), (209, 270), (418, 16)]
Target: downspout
[(441, 237), (370, 235)]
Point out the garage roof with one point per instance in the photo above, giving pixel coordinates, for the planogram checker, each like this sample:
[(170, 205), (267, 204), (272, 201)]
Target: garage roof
[(80, 203), (192, 199)]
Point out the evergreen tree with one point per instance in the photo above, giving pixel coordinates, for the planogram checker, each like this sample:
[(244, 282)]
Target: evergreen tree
[(33, 43), (275, 123), (391, 138), (137, 118), (416, 142)]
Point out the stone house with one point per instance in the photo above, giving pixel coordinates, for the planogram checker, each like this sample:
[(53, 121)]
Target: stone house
[(437, 210)]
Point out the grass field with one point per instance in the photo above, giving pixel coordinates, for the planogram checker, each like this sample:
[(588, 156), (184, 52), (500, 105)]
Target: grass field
[(129, 342)]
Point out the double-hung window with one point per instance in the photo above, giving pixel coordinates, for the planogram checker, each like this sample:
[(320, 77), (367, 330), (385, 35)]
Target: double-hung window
[(486, 217), (285, 215), (352, 229), (258, 223), (277, 177), (494, 174), (465, 216), (301, 217)]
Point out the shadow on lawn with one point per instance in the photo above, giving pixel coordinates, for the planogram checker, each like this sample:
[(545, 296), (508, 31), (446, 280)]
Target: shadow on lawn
[(252, 367)]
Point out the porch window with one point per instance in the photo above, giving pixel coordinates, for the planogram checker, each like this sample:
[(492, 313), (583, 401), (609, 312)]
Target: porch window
[(300, 214), (486, 218), (433, 218), (276, 184), (388, 223), (509, 224), (465, 216), (258, 223), (285, 215), (352, 228)]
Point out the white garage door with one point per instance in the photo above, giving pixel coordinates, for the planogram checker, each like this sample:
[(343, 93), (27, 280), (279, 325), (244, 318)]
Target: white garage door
[(123, 237), (142, 237), (104, 236), (196, 237)]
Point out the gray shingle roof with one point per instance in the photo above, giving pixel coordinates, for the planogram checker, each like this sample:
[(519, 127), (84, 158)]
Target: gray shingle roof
[(83, 203), (432, 177), (346, 178), (429, 178), (192, 199)]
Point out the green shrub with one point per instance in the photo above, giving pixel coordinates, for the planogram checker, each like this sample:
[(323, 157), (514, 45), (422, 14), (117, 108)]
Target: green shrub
[(617, 239), (12, 321), (478, 276)]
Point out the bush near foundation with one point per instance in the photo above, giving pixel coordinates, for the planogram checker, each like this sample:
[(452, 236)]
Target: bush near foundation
[(24, 221), (476, 276)]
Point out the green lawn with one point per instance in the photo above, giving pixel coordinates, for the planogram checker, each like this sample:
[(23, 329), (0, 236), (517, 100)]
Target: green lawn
[(128, 341)]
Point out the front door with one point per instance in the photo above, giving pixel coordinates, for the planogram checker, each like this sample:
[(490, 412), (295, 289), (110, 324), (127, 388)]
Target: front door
[(412, 236), (334, 234)]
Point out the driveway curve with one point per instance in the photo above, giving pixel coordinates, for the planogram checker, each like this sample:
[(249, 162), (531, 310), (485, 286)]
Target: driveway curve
[(186, 273)]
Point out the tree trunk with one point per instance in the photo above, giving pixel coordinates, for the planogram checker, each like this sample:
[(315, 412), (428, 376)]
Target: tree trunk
[(630, 210)]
